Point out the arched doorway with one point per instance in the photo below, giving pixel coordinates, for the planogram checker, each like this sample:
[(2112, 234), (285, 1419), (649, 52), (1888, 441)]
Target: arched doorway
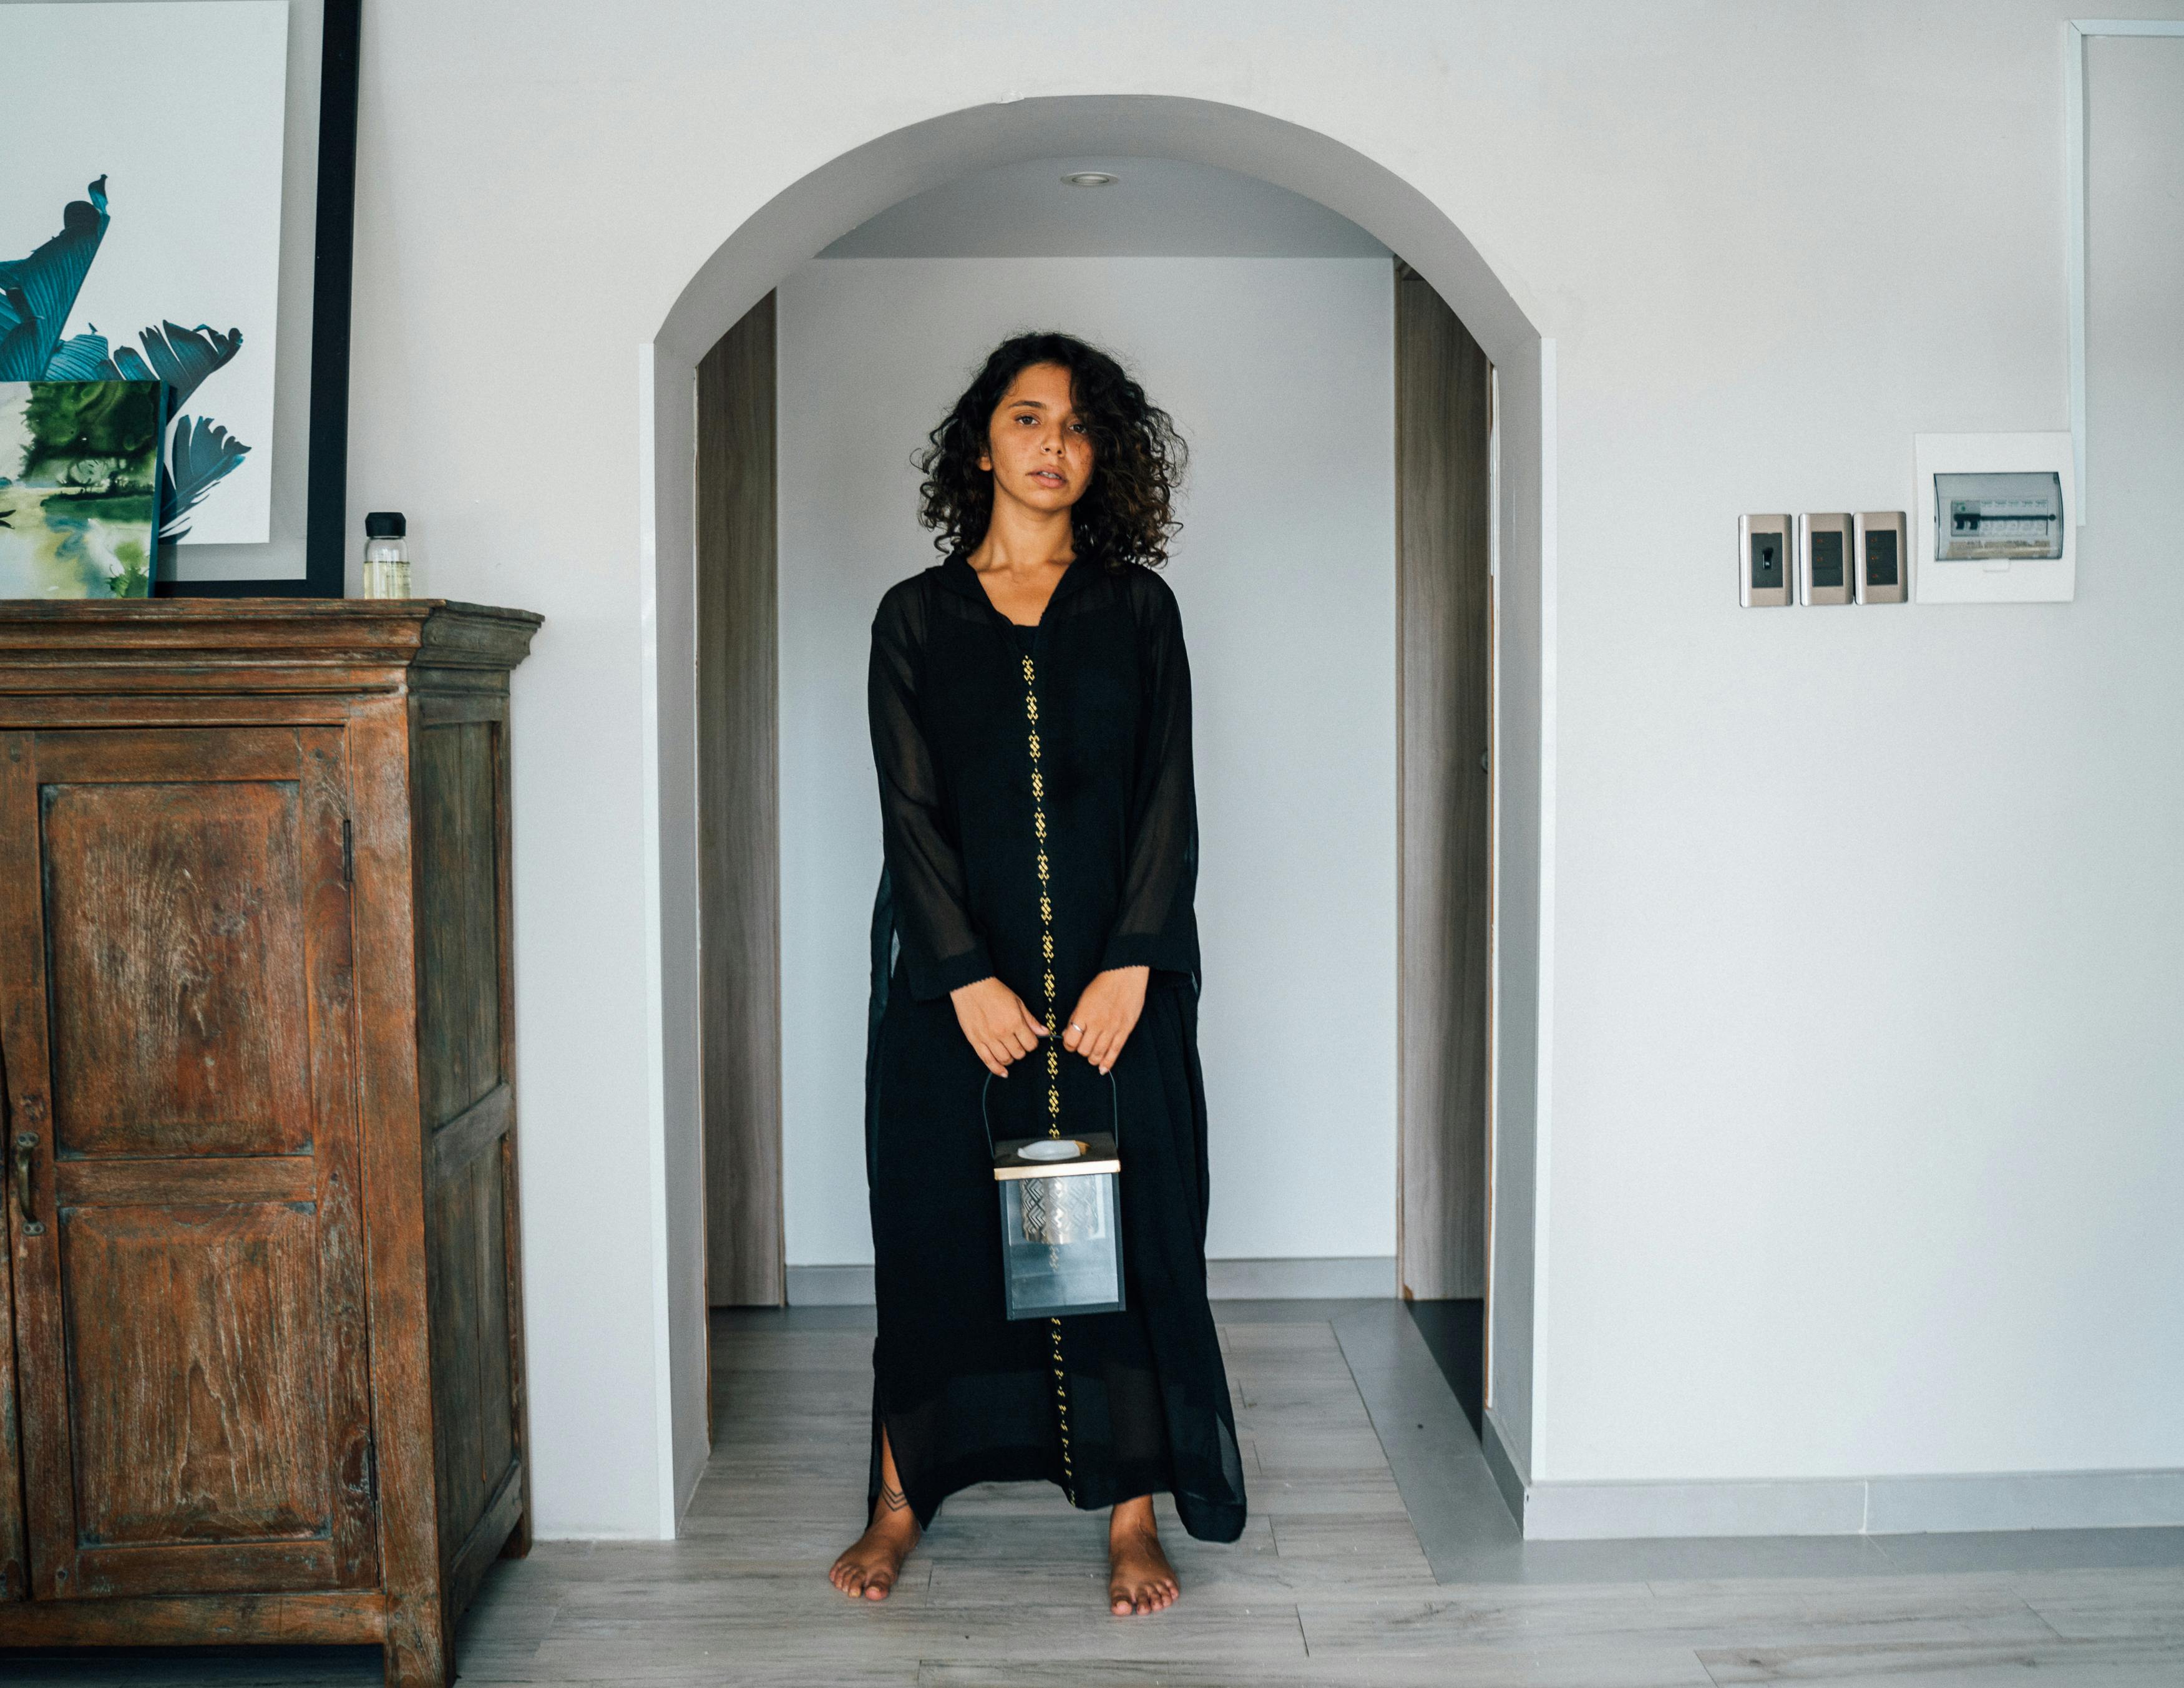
[(806, 217)]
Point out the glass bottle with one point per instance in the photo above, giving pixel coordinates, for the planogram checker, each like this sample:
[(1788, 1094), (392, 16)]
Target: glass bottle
[(386, 556)]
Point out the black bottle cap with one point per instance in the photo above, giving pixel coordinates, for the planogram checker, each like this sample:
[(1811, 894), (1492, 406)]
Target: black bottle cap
[(385, 524)]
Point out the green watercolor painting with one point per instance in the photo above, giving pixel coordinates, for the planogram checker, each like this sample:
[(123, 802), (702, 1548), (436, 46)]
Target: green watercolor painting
[(79, 488)]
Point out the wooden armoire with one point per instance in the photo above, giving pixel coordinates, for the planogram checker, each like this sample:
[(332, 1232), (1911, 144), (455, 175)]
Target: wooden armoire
[(261, 1351)]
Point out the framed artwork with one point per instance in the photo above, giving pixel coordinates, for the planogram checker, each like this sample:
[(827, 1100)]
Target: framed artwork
[(199, 242), (79, 480)]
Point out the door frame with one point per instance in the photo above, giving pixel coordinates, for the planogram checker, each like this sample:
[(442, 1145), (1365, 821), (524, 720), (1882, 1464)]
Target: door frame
[(810, 210)]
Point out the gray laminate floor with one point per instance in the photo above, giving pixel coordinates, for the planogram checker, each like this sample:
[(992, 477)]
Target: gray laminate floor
[(1378, 1552)]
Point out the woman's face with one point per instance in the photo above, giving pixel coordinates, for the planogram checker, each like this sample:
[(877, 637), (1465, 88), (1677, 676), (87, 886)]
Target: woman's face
[(1038, 451)]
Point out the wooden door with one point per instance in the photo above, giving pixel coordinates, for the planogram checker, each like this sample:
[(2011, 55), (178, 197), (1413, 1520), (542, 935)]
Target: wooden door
[(175, 1019), (740, 818), (1445, 594)]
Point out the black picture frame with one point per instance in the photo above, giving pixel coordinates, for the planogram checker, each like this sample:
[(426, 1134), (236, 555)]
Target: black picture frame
[(333, 256)]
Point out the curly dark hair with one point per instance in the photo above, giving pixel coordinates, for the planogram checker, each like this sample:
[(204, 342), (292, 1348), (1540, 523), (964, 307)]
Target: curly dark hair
[(1127, 514)]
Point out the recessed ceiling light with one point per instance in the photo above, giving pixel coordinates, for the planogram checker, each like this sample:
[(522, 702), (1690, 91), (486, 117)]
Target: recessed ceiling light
[(1089, 178)]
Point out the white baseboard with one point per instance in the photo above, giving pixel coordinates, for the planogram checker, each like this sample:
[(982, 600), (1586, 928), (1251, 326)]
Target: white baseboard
[(1874, 1506), (1508, 1475), (1849, 1506), (1339, 1277), (1334, 1277), (830, 1286), (2038, 1500)]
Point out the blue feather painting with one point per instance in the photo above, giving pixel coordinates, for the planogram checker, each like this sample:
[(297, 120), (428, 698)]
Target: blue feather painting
[(168, 234)]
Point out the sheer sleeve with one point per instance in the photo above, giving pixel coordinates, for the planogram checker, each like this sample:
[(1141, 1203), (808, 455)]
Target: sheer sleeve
[(941, 949), (1156, 926)]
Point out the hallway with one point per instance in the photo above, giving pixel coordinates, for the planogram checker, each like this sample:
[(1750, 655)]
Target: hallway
[(1377, 1553)]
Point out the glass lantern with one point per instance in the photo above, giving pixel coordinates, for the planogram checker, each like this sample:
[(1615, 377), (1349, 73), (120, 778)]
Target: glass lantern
[(1062, 1222)]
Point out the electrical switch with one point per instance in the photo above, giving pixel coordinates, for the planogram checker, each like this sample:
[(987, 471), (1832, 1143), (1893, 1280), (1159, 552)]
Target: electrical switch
[(1764, 568), (1823, 558), (1883, 559)]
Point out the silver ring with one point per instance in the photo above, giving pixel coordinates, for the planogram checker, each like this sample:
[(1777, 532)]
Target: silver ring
[(1074, 1026)]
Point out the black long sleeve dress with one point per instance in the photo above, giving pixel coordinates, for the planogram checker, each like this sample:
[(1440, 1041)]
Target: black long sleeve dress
[(1039, 822)]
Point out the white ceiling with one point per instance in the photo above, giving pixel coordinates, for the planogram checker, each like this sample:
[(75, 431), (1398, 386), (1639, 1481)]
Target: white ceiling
[(1157, 208)]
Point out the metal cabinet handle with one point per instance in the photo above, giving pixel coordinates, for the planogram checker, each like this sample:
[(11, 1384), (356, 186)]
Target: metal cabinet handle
[(25, 1142)]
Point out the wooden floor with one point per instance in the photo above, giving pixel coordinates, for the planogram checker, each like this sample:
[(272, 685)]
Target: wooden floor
[(1335, 1581)]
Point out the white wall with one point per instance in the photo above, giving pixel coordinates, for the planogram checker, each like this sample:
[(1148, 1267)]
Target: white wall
[(1866, 1090), (1278, 372), (1932, 1239)]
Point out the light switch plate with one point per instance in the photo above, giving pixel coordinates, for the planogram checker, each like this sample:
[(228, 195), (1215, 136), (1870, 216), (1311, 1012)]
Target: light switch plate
[(1766, 564), (1935, 579), (1824, 557), (1882, 560)]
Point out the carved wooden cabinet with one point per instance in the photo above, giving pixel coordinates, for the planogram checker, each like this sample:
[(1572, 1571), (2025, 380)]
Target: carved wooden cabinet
[(261, 1358)]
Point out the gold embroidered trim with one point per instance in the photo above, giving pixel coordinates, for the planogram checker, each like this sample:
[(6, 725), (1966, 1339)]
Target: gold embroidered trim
[(1053, 1051)]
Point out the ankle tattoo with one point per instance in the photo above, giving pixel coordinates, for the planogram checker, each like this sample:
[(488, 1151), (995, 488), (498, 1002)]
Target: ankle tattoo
[(893, 1499)]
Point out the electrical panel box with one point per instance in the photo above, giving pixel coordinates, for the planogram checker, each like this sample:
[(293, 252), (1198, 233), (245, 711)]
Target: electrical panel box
[(1997, 518), (1881, 562), (1997, 521), (1823, 558), (1765, 566)]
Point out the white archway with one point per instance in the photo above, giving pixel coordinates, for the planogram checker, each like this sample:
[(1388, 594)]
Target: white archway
[(800, 221)]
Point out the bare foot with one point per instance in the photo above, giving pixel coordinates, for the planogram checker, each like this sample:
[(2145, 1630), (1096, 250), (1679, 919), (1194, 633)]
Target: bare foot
[(1140, 1579), (868, 1569), (868, 1565)]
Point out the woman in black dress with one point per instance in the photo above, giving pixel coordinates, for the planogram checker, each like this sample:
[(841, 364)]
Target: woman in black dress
[(1030, 704)]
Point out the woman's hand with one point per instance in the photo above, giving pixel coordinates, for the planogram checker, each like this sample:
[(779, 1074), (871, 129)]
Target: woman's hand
[(994, 1019), (1106, 1014)]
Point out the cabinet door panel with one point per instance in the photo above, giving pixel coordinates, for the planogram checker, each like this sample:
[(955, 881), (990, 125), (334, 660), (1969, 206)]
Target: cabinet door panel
[(175, 930), (176, 1018), (197, 1426)]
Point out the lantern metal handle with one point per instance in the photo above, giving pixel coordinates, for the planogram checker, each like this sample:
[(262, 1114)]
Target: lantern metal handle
[(1115, 1098)]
